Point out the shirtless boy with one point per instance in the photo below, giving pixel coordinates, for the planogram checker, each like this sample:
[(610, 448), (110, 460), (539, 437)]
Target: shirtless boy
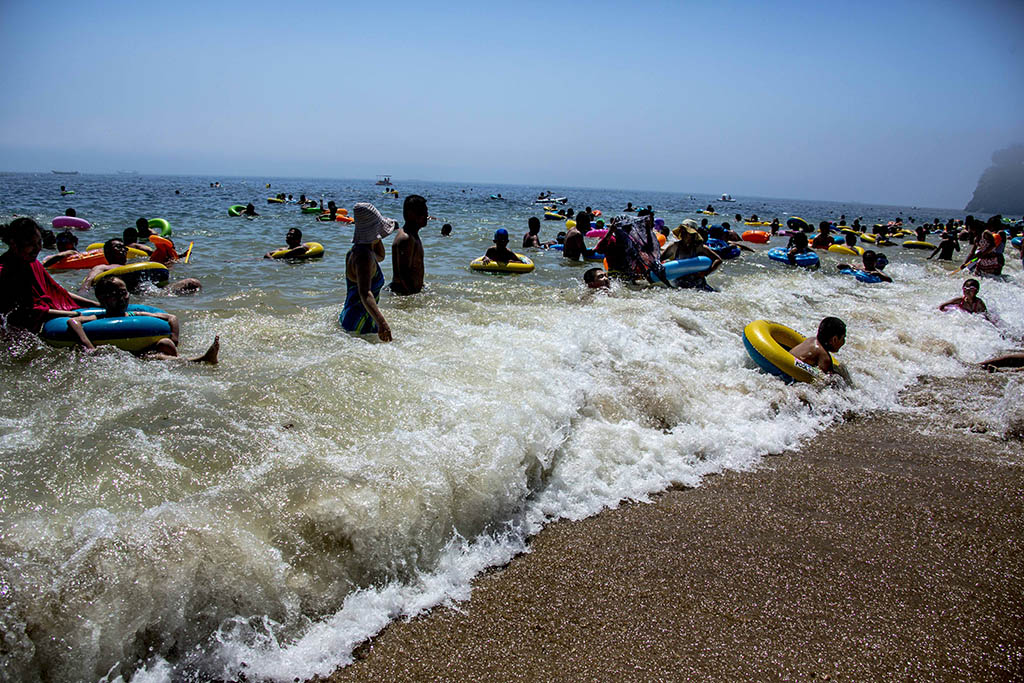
[(818, 350), (407, 248)]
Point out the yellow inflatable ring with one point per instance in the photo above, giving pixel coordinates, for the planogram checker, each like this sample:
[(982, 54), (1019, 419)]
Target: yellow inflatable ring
[(768, 345), (845, 250), (316, 250), (132, 251), (497, 267), (134, 273)]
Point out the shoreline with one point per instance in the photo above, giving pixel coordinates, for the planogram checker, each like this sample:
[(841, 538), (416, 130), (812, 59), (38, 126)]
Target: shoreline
[(887, 547)]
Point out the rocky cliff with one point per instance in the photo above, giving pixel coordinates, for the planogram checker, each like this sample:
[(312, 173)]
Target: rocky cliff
[(1001, 187)]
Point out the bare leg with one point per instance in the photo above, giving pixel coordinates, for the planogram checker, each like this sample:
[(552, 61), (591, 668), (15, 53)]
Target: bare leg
[(211, 353), (1007, 360)]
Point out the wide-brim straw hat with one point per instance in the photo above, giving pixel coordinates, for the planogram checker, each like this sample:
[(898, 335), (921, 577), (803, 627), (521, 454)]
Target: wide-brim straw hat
[(369, 225), (689, 225)]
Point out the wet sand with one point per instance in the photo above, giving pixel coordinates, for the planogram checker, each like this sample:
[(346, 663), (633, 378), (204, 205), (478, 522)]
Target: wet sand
[(889, 548)]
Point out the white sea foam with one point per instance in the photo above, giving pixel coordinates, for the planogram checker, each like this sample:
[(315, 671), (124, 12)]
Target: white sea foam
[(265, 516)]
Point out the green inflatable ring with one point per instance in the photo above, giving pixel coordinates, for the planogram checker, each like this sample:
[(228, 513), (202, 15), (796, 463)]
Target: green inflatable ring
[(312, 209), (160, 224), (236, 209)]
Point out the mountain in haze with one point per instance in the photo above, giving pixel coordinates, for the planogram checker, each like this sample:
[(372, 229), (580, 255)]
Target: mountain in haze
[(1001, 187)]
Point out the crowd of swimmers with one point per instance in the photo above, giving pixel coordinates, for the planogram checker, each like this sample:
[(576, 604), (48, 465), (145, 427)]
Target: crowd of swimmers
[(634, 248)]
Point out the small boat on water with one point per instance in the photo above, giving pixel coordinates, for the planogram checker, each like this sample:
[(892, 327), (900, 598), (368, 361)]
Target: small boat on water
[(384, 179), (66, 172), (551, 200), (726, 198)]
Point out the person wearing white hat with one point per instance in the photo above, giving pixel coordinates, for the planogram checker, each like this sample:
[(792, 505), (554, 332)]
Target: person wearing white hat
[(363, 276)]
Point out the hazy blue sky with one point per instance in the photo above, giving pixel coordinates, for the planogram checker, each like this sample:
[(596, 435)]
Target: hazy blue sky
[(898, 102)]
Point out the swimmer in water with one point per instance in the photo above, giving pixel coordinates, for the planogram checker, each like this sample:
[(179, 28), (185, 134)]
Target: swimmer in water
[(532, 238), (818, 350), (500, 252), (113, 296), (293, 245), (250, 211), (446, 230), (969, 302), (596, 278)]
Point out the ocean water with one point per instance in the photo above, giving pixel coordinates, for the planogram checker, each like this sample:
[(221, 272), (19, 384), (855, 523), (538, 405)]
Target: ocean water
[(262, 517)]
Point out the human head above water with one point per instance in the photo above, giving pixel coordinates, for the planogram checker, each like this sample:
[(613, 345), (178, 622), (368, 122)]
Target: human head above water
[(595, 278), (23, 236), (112, 293), (831, 333), (140, 224), (414, 210), (971, 284), (534, 225), (501, 236), (130, 235), (115, 252), (446, 229), (66, 240), (293, 238)]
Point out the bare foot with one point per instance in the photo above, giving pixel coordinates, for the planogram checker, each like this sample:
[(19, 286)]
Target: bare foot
[(211, 353)]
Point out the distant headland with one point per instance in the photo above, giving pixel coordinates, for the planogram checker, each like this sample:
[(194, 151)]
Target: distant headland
[(1001, 187)]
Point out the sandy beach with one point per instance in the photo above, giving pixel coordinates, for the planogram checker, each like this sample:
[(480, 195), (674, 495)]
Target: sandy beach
[(888, 548)]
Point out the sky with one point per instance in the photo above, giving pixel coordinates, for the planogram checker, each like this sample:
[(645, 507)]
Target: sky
[(886, 102)]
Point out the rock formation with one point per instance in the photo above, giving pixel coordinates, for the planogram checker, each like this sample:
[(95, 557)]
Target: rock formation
[(1001, 187)]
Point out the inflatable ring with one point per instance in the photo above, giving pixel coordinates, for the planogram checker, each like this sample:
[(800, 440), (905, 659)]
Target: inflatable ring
[(758, 224), (914, 244), (549, 216), (275, 200), (135, 273), (757, 236), (236, 210), (597, 232), (861, 275), (846, 251), (806, 260), (311, 209), (316, 250), (71, 222), (687, 266), (497, 267), (768, 345), (338, 217), (91, 258), (725, 250), (160, 224), (868, 237), (797, 223), (131, 333), (164, 251)]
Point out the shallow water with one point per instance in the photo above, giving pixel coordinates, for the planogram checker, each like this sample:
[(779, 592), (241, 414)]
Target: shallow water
[(265, 515)]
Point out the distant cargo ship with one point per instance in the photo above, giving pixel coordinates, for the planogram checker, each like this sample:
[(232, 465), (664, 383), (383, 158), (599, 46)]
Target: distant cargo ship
[(66, 172)]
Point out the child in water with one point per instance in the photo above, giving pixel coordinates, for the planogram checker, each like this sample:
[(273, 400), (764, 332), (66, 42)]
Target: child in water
[(970, 302), (500, 251), (818, 350), (113, 296)]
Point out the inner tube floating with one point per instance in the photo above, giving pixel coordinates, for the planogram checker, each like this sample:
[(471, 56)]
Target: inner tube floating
[(134, 274), (274, 200), (549, 216), (339, 217), (757, 236), (861, 275), (868, 237), (765, 224), (131, 333), (805, 260), (846, 251), (768, 344), (497, 267), (64, 193), (687, 266), (316, 250), (725, 250), (708, 213), (797, 223), (311, 209), (160, 225), (164, 251), (914, 244), (1016, 242), (236, 209), (598, 232), (73, 222), (91, 257)]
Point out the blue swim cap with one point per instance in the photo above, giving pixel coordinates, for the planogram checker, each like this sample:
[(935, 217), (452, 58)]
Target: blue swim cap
[(501, 234)]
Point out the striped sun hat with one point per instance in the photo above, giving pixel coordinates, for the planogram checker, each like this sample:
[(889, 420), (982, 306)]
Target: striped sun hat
[(370, 226)]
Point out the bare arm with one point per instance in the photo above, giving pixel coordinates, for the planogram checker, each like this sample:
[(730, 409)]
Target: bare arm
[(364, 268)]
